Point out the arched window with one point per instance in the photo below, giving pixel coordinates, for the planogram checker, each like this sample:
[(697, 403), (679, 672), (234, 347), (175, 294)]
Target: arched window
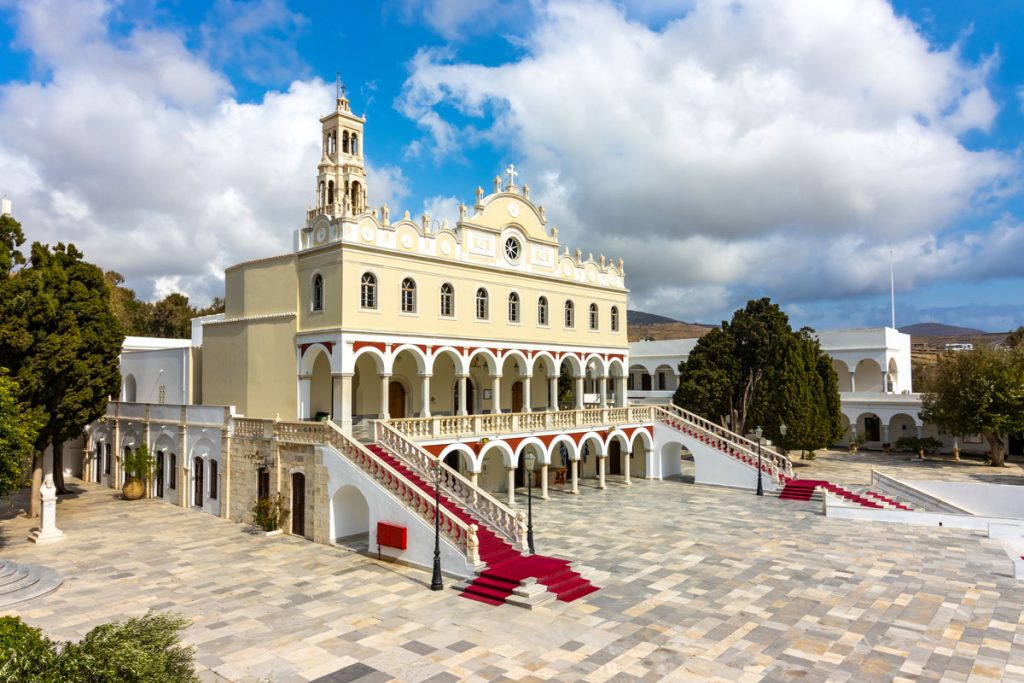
[(447, 300), (213, 480), (172, 471), (593, 316), (481, 304), (318, 292), (615, 318), (513, 307), (355, 144), (344, 142), (408, 295), (542, 311), (330, 192), (368, 291), (570, 318)]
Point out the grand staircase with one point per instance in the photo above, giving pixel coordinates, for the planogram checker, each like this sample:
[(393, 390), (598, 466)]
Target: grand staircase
[(510, 576), (808, 489)]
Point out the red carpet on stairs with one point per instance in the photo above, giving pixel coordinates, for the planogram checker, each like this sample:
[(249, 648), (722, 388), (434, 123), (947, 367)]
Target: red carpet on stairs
[(506, 568), (803, 489)]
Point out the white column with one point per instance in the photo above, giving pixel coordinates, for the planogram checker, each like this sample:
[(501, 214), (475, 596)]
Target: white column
[(526, 394), (385, 379), (304, 401), (496, 394), (575, 476), (600, 471), (511, 485), (853, 381), (578, 392), (425, 390), (920, 431), (343, 406), (462, 394), (602, 390), (473, 476), (628, 457), (885, 381), (885, 433), (553, 392), (544, 481), (620, 392)]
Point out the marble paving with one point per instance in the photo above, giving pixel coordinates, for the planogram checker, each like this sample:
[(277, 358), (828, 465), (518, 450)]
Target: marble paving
[(706, 585)]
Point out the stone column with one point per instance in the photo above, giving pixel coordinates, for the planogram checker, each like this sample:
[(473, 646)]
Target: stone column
[(304, 401), (577, 384), (342, 403), (885, 381), (553, 392), (224, 471), (425, 390), (496, 394), (627, 457), (511, 486), (575, 476), (544, 482), (602, 390), (885, 433), (182, 483), (473, 477), (385, 379), (47, 532), (853, 381), (146, 441), (527, 398), (115, 455), (620, 391), (600, 471), (920, 431), (461, 410)]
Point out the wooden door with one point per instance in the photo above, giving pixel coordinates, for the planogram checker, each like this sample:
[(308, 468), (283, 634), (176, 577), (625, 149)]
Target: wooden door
[(159, 474), (299, 504), (517, 397), (615, 458), (197, 498), (396, 400), (470, 397)]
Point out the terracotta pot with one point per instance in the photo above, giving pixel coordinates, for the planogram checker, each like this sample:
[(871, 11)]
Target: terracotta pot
[(133, 489)]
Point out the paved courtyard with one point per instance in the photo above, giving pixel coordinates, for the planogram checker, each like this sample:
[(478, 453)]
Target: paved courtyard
[(706, 584)]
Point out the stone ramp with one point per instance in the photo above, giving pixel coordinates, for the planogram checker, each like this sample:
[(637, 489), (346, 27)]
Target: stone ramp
[(22, 582)]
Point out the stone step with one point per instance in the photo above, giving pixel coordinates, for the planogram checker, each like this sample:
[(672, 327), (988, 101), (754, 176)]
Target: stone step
[(26, 582)]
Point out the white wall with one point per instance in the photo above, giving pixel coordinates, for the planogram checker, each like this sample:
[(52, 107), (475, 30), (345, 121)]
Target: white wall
[(993, 500), (710, 465), (155, 368)]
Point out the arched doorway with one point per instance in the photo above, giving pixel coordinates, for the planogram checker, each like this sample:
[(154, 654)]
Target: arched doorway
[(320, 388), (159, 474), (615, 457), (298, 503), (396, 400), (129, 389), (350, 518)]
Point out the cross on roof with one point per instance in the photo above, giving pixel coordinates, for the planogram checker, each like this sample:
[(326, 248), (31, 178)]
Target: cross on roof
[(511, 171)]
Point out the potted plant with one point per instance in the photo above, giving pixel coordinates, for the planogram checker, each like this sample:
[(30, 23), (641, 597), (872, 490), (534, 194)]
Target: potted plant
[(269, 514), (137, 464), (854, 443)]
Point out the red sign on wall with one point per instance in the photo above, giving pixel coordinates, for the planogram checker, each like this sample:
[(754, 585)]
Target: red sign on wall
[(392, 536)]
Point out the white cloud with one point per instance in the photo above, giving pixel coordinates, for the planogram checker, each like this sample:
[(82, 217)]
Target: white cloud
[(135, 150), (777, 146), (441, 208), (457, 20)]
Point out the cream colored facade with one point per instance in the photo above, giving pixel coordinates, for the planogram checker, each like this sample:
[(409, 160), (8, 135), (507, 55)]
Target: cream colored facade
[(371, 317)]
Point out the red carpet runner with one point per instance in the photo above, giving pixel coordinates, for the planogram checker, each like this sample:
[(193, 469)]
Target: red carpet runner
[(803, 489), (506, 566)]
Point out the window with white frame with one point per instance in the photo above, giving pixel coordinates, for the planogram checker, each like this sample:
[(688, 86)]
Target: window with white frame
[(368, 291), (615, 318), (542, 311), (593, 316), (570, 314), (408, 295), (513, 307), (318, 292), (447, 300), (481, 304)]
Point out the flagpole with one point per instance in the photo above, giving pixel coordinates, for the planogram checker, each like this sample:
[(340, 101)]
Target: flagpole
[(892, 291)]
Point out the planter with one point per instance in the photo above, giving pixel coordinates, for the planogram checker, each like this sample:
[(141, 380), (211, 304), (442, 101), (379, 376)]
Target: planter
[(853, 448), (133, 489)]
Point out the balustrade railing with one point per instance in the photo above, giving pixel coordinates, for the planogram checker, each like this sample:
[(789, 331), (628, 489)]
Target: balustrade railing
[(414, 498), (499, 517), (674, 415)]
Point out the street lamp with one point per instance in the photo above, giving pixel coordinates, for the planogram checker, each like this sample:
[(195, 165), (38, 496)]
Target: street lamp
[(436, 583), (782, 431), (760, 487), (531, 458)]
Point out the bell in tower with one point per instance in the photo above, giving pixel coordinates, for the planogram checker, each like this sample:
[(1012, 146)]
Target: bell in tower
[(341, 176)]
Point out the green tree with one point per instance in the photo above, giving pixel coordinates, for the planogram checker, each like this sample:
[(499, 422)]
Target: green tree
[(978, 392), (17, 436), (1015, 338), (172, 317), (61, 343), (755, 370), (134, 315), (11, 237)]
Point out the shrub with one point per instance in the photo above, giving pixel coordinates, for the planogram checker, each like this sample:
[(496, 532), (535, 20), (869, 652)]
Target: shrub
[(138, 462), (269, 513), (912, 444), (145, 648)]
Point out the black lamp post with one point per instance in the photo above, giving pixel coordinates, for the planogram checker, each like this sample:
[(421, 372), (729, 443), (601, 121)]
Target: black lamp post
[(760, 486), (530, 460), (436, 583), (782, 431)]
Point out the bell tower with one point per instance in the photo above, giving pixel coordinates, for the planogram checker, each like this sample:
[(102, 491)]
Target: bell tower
[(341, 176)]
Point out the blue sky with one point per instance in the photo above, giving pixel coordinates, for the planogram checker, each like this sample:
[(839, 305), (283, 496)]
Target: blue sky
[(725, 150)]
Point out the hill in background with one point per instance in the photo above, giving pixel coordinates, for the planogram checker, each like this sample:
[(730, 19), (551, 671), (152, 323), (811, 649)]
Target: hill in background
[(640, 326), (939, 330)]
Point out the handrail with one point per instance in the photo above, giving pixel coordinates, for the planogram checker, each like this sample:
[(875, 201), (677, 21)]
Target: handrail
[(776, 461), (410, 495), (499, 517)]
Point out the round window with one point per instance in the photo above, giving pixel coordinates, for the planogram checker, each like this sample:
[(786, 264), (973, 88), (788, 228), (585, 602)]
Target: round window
[(512, 249)]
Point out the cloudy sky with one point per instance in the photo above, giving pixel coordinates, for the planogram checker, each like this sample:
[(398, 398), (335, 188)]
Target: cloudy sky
[(726, 149)]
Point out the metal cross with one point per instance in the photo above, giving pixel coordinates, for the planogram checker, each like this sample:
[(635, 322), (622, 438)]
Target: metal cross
[(511, 171)]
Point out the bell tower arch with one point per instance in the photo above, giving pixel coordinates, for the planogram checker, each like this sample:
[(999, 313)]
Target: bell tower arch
[(341, 173)]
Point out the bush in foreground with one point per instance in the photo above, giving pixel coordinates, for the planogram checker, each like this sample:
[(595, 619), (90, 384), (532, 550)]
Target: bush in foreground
[(145, 648)]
